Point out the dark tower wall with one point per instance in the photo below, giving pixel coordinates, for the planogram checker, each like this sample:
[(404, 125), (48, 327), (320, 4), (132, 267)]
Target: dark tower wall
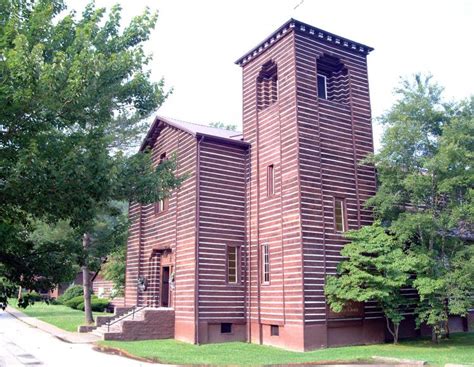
[(335, 133), (221, 212), (270, 126), (315, 145)]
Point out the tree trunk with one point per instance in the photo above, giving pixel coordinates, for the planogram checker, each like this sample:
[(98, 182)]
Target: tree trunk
[(446, 329), (86, 281), (434, 335), (395, 336), (446, 315), (394, 332)]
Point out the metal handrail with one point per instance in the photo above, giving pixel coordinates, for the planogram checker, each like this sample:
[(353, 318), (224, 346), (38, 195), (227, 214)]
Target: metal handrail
[(134, 310)]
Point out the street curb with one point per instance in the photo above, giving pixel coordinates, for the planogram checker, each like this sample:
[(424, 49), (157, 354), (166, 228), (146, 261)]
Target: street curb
[(122, 353), (125, 354), (411, 362)]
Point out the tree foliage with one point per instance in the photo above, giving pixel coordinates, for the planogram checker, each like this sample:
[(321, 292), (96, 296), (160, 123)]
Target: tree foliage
[(424, 197), (376, 269), (425, 194), (221, 125), (74, 92), (114, 270)]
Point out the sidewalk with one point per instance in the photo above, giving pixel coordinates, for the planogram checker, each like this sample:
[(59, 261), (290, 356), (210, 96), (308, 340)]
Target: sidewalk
[(67, 336)]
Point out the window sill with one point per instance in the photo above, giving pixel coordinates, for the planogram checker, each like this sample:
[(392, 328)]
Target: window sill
[(334, 103)]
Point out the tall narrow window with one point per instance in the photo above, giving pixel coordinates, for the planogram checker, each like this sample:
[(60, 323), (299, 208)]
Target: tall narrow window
[(163, 204), (322, 86), (339, 215), (232, 264), (265, 264), (163, 157), (270, 180)]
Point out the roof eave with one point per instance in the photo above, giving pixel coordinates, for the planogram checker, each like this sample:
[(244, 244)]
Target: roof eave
[(155, 125), (221, 139), (293, 24)]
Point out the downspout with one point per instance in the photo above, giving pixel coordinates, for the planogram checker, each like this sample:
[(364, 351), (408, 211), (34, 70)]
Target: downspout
[(298, 145), (281, 204), (139, 251), (356, 177), (178, 171), (322, 212), (259, 259), (126, 262), (247, 239), (196, 243), (351, 105)]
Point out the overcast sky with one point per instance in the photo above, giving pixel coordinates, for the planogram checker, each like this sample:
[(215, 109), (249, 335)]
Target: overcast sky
[(195, 44)]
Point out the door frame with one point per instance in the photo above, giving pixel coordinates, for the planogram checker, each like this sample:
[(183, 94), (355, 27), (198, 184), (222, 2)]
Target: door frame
[(162, 288)]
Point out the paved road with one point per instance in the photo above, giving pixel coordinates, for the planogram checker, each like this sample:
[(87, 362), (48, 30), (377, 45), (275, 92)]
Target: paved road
[(23, 345)]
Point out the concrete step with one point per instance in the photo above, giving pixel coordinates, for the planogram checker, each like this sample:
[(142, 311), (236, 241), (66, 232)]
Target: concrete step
[(145, 324), (117, 327)]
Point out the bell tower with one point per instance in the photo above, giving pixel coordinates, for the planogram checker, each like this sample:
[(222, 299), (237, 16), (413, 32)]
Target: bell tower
[(306, 115)]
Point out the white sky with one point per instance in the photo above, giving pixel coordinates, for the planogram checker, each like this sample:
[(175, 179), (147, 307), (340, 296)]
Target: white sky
[(196, 43)]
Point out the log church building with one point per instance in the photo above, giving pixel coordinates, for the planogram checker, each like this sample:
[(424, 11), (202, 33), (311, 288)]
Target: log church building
[(241, 250)]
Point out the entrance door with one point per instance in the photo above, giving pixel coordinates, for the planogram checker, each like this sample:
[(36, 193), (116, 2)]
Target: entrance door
[(165, 286)]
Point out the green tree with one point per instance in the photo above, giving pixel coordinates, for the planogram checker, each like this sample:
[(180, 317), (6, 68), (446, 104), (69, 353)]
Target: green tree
[(425, 194), (221, 125), (114, 270), (109, 243), (74, 92), (424, 201), (375, 269)]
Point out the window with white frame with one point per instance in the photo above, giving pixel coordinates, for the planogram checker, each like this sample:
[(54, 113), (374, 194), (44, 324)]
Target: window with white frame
[(265, 263), (339, 215), (232, 264)]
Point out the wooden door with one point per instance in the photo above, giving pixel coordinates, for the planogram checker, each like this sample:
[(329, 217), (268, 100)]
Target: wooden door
[(165, 286)]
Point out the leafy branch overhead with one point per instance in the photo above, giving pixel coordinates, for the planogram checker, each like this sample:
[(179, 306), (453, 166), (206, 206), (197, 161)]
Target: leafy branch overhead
[(75, 93)]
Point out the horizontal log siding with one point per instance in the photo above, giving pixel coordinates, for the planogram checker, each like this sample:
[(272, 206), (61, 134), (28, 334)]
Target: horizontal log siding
[(221, 223), (107, 287), (333, 139), (173, 229), (274, 220)]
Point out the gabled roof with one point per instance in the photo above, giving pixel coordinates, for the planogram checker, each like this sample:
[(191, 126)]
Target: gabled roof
[(193, 129), (303, 28)]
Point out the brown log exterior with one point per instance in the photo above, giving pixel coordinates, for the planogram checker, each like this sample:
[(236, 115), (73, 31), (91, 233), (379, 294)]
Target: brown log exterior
[(242, 249), (104, 288)]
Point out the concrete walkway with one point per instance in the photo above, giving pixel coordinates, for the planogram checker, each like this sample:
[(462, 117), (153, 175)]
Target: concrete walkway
[(24, 344), (67, 336)]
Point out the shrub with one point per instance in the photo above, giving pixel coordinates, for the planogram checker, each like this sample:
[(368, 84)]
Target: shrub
[(29, 298), (97, 304), (74, 302), (70, 293), (33, 296)]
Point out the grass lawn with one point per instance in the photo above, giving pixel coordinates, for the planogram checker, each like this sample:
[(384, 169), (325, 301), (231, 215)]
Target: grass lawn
[(61, 316), (460, 349)]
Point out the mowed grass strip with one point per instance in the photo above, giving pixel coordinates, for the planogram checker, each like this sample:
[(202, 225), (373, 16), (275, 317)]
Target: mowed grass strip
[(459, 349), (60, 316)]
